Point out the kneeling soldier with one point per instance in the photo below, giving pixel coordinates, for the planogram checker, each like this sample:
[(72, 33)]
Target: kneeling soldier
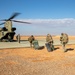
[(49, 43)]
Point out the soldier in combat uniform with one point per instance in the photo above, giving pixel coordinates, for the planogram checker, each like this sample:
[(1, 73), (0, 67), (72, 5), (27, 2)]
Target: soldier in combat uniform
[(31, 39), (64, 40), (18, 38), (49, 43)]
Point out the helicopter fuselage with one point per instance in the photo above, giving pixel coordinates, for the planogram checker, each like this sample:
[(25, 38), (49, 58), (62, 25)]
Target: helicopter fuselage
[(7, 32)]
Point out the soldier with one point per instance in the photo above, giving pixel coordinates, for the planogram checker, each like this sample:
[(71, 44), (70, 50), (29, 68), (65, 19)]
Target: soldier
[(49, 43), (31, 39), (64, 40), (18, 38)]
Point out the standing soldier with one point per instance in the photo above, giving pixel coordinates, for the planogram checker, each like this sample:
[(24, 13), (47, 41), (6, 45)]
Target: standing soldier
[(64, 40), (49, 43), (18, 38), (31, 39)]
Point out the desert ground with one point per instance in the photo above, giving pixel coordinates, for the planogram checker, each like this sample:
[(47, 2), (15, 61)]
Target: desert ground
[(28, 61)]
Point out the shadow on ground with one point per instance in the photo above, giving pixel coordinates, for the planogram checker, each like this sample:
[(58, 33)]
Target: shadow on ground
[(70, 49), (56, 48)]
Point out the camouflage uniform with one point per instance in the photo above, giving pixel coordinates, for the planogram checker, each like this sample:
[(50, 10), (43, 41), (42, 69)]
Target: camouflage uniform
[(64, 40), (18, 38), (49, 43), (31, 39)]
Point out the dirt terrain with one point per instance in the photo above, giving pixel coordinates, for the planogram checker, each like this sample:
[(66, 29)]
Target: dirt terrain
[(28, 61)]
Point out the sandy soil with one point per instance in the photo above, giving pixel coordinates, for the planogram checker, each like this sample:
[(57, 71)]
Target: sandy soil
[(28, 61), (43, 37)]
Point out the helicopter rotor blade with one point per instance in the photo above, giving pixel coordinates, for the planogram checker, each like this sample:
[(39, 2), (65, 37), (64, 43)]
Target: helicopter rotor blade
[(2, 23), (20, 21), (13, 16), (3, 20)]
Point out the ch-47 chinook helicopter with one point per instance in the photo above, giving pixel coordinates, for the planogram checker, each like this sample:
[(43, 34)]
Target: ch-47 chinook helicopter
[(7, 32)]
